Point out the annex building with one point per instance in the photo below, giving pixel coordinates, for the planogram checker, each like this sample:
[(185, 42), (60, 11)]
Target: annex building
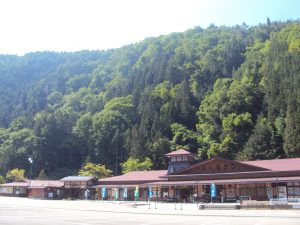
[(186, 180)]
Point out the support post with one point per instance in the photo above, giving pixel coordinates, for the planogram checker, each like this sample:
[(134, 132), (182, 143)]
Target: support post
[(156, 196), (175, 197)]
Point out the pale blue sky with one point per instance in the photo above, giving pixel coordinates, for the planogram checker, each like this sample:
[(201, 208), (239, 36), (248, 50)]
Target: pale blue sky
[(73, 25)]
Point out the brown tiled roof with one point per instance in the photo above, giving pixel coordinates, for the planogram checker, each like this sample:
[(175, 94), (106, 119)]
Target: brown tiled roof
[(138, 176), (179, 152), (15, 184), (277, 164), (45, 183), (189, 170)]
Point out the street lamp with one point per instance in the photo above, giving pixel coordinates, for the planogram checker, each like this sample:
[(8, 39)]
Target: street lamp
[(30, 161)]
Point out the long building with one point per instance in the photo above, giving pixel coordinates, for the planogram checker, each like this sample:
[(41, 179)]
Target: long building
[(186, 180)]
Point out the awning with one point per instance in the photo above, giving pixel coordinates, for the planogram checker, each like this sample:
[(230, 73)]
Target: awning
[(224, 181), (43, 187), (118, 185), (172, 183), (250, 180)]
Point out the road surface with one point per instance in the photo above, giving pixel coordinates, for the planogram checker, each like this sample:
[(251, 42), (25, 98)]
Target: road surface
[(22, 211)]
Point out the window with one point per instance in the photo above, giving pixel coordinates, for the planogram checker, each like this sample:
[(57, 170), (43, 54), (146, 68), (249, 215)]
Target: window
[(293, 189), (179, 158), (297, 190)]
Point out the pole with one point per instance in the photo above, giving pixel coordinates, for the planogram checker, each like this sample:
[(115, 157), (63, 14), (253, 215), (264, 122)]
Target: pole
[(30, 170), (276, 188), (116, 161), (175, 197), (156, 196), (30, 161)]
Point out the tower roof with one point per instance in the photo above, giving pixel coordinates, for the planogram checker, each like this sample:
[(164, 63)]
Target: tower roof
[(180, 152)]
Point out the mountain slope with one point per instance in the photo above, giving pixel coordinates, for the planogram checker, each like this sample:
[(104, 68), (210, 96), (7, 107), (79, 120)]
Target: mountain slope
[(229, 91)]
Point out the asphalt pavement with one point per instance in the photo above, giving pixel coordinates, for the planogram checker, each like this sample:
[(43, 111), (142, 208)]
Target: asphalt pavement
[(22, 211)]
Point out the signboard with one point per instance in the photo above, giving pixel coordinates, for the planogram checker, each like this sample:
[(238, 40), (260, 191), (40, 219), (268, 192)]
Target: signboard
[(125, 192), (75, 184), (103, 192), (213, 191), (150, 192)]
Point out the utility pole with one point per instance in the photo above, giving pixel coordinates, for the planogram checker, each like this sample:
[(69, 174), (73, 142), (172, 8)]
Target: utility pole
[(30, 161)]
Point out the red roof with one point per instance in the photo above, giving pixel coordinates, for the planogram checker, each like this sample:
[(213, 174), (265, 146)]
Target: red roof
[(179, 152), (138, 176), (277, 164), (35, 184), (45, 183), (15, 184)]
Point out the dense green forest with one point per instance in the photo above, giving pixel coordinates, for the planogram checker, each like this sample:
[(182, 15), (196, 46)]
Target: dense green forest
[(227, 91)]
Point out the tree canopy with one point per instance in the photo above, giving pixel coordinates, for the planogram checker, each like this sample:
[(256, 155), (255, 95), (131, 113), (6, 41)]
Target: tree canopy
[(133, 164), (95, 170), (15, 175)]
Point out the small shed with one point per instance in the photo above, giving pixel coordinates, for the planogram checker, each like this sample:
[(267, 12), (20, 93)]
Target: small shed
[(14, 189), (46, 189)]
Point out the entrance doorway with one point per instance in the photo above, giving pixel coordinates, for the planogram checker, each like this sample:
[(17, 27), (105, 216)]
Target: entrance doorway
[(186, 194), (74, 193), (207, 194)]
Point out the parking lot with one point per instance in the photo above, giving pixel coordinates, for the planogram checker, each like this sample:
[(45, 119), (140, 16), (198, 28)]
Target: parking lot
[(23, 211)]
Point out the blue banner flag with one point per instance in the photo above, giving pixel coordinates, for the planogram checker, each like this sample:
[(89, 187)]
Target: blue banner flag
[(213, 191), (103, 192), (150, 192)]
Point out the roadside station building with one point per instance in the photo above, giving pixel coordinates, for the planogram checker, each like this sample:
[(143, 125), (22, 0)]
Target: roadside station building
[(187, 180)]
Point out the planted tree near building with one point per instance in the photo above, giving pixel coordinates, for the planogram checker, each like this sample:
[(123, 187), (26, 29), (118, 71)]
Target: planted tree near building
[(15, 175)]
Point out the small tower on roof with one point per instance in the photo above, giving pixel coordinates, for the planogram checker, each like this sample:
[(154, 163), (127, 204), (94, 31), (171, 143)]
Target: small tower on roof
[(179, 160)]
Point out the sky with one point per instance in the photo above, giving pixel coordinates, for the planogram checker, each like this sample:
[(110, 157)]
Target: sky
[(74, 25)]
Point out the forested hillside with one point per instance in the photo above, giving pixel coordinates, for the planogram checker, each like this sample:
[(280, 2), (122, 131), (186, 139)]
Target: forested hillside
[(227, 91)]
